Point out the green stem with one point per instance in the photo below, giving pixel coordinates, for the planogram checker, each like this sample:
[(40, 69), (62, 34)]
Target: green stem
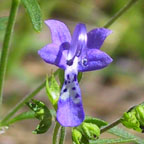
[(62, 135), (55, 133), (25, 99), (6, 44), (113, 124), (22, 102), (119, 13)]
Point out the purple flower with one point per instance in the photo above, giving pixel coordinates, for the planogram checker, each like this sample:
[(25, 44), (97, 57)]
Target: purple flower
[(78, 53)]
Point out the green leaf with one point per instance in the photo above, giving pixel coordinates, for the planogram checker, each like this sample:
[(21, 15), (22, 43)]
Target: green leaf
[(124, 134), (53, 90), (96, 121), (111, 141), (43, 114), (34, 12), (3, 22), (22, 116)]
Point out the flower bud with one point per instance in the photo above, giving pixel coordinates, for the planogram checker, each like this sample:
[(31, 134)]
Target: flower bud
[(90, 130), (129, 120), (76, 136)]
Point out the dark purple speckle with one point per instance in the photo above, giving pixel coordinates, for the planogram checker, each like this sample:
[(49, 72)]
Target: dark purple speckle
[(65, 90), (77, 95), (75, 78), (65, 82), (73, 88), (68, 77)]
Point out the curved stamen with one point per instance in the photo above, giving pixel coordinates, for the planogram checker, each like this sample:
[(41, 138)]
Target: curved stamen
[(79, 41)]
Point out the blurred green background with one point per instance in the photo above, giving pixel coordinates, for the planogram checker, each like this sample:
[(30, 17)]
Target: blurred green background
[(106, 93)]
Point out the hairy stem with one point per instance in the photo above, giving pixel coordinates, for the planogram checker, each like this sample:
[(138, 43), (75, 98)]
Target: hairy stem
[(25, 99), (62, 135), (119, 13), (113, 124), (6, 44), (55, 133)]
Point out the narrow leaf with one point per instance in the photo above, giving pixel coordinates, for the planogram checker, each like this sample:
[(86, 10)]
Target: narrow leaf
[(111, 141), (34, 13), (22, 116), (96, 121), (124, 134), (3, 22)]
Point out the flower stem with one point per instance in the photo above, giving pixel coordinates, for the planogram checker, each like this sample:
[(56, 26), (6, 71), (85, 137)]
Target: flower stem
[(62, 135), (22, 102), (25, 99), (113, 124), (6, 44), (55, 133), (119, 13)]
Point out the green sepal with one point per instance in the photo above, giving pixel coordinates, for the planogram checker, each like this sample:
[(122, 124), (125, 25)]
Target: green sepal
[(100, 123), (80, 74), (43, 114), (52, 90), (61, 77)]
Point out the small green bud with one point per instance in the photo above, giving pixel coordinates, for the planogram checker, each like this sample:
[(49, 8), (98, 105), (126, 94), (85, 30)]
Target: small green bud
[(90, 130), (129, 120), (76, 136)]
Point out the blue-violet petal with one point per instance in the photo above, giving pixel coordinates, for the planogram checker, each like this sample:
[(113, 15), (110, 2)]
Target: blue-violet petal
[(59, 31), (54, 54), (96, 37), (94, 59), (70, 111)]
